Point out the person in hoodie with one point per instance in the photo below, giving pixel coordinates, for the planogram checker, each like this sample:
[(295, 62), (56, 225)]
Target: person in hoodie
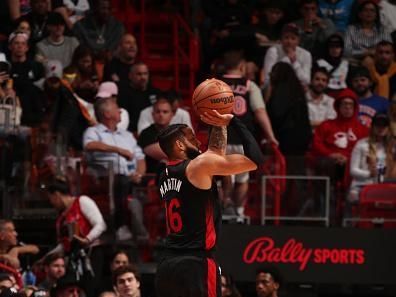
[(335, 64), (334, 140)]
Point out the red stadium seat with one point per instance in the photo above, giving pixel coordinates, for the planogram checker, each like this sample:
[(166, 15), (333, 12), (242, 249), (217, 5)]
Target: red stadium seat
[(378, 205)]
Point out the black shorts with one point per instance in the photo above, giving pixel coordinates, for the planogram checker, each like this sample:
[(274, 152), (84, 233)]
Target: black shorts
[(188, 276)]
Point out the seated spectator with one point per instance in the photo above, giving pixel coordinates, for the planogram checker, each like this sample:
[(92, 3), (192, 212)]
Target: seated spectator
[(9, 248), (136, 93), (338, 11), (383, 70), (228, 286), (118, 67), (162, 115), (180, 116), (368, 158), (56, 46), (314, 29), (320, 105), (271, 21), (288, 51), (126, 281), (68, 286), (119, 258), (26, 73), (109, 89), (99, 31), (38, 19), (82, 74), (365, 31), (54, 267), (268, 282), (108, 146), (369, 103), (335, 64), (22, 25), (334, 140)]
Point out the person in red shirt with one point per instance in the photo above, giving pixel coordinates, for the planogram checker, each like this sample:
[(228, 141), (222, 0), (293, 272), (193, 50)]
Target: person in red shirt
[(334, 140)]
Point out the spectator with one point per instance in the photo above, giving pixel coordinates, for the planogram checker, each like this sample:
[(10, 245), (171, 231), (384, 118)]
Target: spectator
[(365, 31), (288, 51), (335, 64), (109, 89), (107, 294), (80, 210), (5, 281), (126, 281), (82, 74), (136, 93), (56, 46), (106, 144), (338, 11), (271, 21), (162, 115), (9, 248), (38, 19), (228, 287), (334, 139), (99, 31), (320, 105), (118, 67), (68, 286), (268, 282), (180, 115), (369, 103), (249, 107), (314, 29), (288, 112), (78, 226), (383, 70), (22, 25), (25, 73), (368, 158), (119, 258), (54, 267)]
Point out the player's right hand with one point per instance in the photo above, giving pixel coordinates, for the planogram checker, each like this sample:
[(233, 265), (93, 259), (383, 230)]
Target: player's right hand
[(214, 118)]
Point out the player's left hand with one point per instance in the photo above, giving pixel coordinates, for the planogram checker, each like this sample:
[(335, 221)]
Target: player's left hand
[(214, 118)]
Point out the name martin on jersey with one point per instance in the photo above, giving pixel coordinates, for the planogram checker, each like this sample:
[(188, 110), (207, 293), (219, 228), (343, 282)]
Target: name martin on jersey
[(170, 184)]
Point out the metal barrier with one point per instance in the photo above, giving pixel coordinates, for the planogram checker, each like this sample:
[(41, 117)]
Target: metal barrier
[(277, 217)]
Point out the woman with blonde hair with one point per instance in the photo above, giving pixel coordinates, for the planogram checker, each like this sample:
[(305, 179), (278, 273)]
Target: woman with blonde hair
[(369, 157)]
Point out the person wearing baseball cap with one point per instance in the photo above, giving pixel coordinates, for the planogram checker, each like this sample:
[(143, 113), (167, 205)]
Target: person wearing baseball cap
[(288, 51), (109, 89), (56, 46), (369, 103)]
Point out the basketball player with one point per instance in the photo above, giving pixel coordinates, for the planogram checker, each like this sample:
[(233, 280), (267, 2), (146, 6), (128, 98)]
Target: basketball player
[(192, 205)]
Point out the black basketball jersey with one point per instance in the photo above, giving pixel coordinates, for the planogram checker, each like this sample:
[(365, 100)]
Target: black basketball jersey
[(241, 89), (193, 215)]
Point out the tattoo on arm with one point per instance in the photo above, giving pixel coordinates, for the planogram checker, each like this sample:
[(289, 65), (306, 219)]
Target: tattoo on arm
[(218, 139)]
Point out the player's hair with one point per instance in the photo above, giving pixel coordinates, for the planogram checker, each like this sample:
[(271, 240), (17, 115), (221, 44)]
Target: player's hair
[(169, 135), (125, 269)]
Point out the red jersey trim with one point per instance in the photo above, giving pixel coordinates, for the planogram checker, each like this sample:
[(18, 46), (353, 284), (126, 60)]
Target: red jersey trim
[(212, 278), (210, 236)]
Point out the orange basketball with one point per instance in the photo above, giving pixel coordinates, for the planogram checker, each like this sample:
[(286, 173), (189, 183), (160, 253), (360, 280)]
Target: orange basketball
[(213, 94)]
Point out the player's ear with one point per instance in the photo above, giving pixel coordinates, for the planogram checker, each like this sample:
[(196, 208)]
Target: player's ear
[(180, 145)]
